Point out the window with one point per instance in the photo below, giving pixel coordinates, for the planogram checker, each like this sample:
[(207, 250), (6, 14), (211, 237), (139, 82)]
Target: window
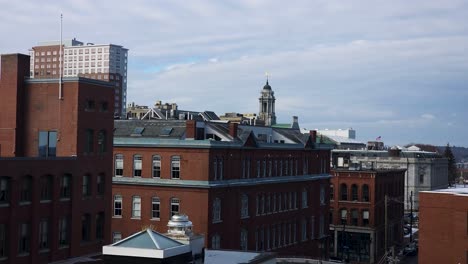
[(258, 169), (344, 216), (116, 236), (104, 106), (322, 226), (304, 198), (102, 141), (85, 227), (100, 225), (221, 169), (365, 218), (304, 229), (86, 190), (175, 167), (215, 169), (43, 234), (65, 186), (156, 166), (136, 207), (46, 188), (47, 143), (90, 105), (26, 189), (119, 162), (354, 217), (100, 184), (216, 210), (332, 194), (5, 190), (322, 194), (330, 215), (243, 239), (312, 227), (216, 242), (24, 237), (244, 206), (89, 147), (421, 178), (175, 206), (264, 168), (137, 164), (365, 193), (63, 231), (354, 192), (3, 241), (344, 192), (118, 205), (155, 208)]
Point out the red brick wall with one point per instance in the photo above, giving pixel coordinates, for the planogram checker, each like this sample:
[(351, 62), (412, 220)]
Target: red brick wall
[(14, 68), (443, 228)]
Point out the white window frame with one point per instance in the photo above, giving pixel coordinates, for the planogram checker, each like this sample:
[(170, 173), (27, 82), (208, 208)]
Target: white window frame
[(217, 210), (244, 206), (155, 201), (136, 207), (175, 167), (118, 200)]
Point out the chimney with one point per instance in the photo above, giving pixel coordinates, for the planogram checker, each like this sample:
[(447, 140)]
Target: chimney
[(233, 129), (190, 129), (313, 135)]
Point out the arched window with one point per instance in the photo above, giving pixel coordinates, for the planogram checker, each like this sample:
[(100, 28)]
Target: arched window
[(344, 192), (365, 193), (156, 166), (175, 167), (5, 190), (102, 141), (119, 165), (354, 192), (155, 208), (216, 210), (26, 189), (137, 165), (175, 206), (46, 187)]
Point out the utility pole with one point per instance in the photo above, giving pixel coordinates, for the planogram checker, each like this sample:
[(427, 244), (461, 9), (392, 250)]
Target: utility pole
[(386, 221)]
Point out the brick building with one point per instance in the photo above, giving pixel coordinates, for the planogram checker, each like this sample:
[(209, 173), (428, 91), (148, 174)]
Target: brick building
[(443, 226), (244, 187), (56, 160), (106, 62), (357, 210)]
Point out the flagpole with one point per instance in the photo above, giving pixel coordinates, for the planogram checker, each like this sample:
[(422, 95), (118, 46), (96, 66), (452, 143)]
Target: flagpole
[(60, 59)]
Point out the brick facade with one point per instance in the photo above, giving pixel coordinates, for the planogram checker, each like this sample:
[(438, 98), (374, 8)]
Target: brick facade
[(358, 212), (201, 187), (54, 201), (443, 226)]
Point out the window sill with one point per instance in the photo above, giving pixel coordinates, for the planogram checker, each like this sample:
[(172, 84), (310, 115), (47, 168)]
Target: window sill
[(24, 203), (4, 204), (245, 217), (45, 201), (63, 246), (23, 254), (217, 221), (116, 216), (45, 250), (64, 199), (155, 219), (135, 218)]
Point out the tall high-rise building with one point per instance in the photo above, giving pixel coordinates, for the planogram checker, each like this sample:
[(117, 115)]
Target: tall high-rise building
[(107, 62)]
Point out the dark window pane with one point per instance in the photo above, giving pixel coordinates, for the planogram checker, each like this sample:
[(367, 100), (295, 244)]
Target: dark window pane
[(43, 137), (52, 150)]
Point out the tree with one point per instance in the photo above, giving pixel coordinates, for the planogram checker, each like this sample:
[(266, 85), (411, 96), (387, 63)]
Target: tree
[(452, 168)]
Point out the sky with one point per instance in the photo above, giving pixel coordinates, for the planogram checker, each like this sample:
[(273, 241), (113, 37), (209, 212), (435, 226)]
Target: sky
[(395, 69)]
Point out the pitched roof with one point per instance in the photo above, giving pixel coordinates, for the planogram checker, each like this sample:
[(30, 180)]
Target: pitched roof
[(148, 239)]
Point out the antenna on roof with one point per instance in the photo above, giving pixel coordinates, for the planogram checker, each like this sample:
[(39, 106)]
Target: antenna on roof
[(60, 59)]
